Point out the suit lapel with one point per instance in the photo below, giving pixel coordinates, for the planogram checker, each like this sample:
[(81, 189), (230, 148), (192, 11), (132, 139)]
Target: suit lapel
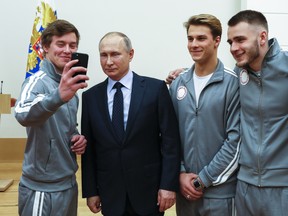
[(138, 89)]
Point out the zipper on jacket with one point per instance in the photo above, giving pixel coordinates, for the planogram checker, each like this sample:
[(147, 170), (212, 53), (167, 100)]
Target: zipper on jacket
[(259, 80)]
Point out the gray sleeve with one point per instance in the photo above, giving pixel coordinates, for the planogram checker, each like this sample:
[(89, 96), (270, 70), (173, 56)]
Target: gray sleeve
[(37, 102)]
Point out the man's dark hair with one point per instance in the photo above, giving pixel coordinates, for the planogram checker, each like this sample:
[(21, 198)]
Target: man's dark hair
[(249, 16), (58, 28)]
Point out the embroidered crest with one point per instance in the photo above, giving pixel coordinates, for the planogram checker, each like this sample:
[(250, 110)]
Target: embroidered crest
[(181, 92), (244, 77)]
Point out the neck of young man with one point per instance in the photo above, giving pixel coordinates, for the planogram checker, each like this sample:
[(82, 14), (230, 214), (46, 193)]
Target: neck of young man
[(206, 68)]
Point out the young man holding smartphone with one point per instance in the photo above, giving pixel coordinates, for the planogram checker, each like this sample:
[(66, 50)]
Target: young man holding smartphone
[(47, 107)]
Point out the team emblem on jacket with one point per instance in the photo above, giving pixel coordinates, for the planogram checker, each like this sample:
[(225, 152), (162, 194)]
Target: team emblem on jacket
[(244, 77), (181, 92)]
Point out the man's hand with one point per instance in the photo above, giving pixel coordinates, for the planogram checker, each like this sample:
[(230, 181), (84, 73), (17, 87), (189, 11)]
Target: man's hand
[(187, 188), (172, 75), (68, 85), (94, 204), (166, 199), (79, 144)]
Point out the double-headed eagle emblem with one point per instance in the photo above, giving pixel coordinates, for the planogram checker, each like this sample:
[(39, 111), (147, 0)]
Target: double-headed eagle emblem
[(44, 15)]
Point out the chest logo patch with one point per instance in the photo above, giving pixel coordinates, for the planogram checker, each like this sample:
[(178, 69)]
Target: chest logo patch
[(181, 92), (244, 77)]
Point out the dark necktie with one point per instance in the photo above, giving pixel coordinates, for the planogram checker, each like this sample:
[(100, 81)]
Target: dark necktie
[(117, 113)]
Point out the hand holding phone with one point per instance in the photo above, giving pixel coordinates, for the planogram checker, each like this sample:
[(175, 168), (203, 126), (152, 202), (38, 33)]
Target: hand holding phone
[(82, 62)]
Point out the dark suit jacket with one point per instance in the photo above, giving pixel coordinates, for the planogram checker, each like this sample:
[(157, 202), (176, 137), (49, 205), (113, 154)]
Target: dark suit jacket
[(148, 158)]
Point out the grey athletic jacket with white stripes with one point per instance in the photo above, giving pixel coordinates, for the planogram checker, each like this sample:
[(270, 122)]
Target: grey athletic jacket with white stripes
[(49, 164), (264, 121), (210, 132)]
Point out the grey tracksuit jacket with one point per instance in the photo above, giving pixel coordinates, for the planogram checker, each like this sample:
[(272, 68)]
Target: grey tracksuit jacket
[(210, 132), (49, 164), (264, 121)]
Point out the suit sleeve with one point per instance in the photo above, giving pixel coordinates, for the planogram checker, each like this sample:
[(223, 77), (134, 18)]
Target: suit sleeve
[(170, 141), (88, 159)]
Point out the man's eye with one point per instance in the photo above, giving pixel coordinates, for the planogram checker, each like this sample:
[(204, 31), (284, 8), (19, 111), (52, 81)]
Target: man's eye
[(115, 54), (60, 45)]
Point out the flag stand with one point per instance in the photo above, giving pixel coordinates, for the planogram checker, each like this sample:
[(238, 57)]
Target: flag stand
[(5, 104)]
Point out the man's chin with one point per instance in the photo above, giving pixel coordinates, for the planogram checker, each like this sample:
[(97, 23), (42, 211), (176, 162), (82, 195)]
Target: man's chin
[(241, 64)]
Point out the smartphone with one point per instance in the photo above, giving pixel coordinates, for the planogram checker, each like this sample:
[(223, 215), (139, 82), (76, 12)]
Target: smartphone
[(83, 62)]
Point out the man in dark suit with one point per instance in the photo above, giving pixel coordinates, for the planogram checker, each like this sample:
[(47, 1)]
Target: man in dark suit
[(136, 171)]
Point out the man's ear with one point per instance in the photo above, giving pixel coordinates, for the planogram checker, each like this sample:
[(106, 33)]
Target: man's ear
[(45, 49), (217, 41), (263, 38), (131, 54)]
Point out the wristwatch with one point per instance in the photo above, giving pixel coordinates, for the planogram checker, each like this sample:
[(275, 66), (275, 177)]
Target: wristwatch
[(198, 184)]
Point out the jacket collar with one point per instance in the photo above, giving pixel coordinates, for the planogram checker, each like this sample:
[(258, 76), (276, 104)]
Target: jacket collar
[(50, 70), (218, 74)]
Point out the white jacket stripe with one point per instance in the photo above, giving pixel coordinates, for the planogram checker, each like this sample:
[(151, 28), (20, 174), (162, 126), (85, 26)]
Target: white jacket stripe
[(230, 169), (25, 107)]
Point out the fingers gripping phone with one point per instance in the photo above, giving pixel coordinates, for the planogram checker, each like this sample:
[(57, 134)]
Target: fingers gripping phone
[(82, 61)]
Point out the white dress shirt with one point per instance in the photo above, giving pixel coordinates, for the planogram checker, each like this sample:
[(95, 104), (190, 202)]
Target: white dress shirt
[(126, 81)]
